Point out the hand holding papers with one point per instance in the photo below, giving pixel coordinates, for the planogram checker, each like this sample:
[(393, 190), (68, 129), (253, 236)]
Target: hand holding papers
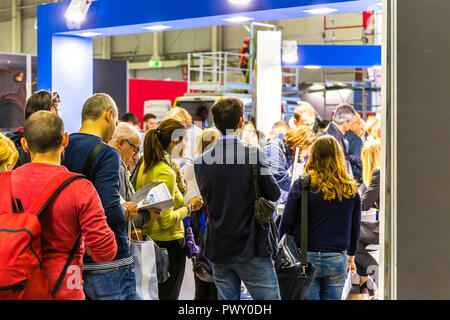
[(155, 196)]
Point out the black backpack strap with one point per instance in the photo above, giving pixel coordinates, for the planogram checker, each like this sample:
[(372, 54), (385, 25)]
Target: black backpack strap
[(90, 159), (66, 266)]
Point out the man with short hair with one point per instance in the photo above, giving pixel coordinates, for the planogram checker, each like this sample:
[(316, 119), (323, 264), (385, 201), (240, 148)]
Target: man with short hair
[(279, 127), (236, 243), (304, 114), (150, 121), (342, 121), (126, 140), (77, 209), (40, 100), (89, 154), (131, 118)]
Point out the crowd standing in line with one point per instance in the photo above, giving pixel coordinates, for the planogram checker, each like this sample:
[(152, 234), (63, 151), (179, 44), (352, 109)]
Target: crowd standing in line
[(209, 176)]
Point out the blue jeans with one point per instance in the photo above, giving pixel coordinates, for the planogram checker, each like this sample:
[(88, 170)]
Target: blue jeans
[(329, 280), (258, 275), (116, 284)]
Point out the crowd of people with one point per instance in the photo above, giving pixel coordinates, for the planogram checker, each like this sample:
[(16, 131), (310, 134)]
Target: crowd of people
[(86, 251)]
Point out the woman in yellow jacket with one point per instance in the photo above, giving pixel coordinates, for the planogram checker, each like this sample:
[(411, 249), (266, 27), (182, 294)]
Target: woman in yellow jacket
[(162, 144)]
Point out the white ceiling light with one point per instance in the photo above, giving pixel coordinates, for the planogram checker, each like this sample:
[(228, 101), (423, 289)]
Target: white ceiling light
[(77, 10), (157, 27), (239, 2), (89, 34), (238, 19), (312, 67), (290, 51), (320, 10)]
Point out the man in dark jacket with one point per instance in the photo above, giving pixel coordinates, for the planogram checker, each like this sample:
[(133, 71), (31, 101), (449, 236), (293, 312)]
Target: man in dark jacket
[(41, 100), (236, 243), (114, 280), (342, 121), (355, 145)]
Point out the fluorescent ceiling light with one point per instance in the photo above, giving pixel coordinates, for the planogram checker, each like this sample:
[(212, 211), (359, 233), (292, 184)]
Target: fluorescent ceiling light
[(89, 34), (320, 10), (238, 19), (157, 27), (312, 67), (239, 2), (77, 10)]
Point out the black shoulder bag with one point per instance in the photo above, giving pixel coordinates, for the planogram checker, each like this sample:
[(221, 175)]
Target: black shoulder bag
[(294, 272), (264, 208)]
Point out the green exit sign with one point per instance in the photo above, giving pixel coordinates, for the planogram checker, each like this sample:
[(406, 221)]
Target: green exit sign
[(155, 64)]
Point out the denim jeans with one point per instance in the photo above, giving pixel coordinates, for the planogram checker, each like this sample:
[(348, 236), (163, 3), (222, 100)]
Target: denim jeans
[(116, 284), (329, 280), (258, 275)]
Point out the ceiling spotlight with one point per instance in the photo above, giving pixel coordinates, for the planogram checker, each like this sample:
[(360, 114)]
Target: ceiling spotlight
[(157, 27), (320, 10), (238, 19), (290, 51), (239, 2), (312, 67), (89, 34), (77, 10)]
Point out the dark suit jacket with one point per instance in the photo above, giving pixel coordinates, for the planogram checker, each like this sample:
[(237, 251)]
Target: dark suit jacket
[(370, 195), (355, 145), (335, 132), (224, 177)]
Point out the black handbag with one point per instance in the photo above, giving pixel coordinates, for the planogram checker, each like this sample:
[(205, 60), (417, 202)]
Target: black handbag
[(264, 208), (294, 272)]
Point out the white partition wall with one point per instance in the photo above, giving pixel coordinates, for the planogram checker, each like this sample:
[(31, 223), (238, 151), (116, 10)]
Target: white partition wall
[(268, 80)]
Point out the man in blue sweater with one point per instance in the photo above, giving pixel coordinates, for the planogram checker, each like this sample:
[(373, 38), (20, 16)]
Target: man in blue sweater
[(114, 280)]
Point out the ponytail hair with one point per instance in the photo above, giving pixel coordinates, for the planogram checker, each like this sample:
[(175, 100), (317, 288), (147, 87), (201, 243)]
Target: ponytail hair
[(158, 140)]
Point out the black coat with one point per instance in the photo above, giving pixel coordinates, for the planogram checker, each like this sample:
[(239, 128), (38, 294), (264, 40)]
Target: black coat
[(227, 188)]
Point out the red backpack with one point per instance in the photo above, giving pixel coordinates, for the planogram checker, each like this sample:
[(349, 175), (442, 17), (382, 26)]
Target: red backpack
[(21, 271)]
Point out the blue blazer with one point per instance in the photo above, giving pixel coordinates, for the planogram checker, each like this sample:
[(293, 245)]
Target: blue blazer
[(224, 177)]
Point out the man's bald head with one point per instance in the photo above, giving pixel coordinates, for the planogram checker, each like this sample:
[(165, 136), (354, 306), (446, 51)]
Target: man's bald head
[(44, 132), (125, 130), (95, 106)]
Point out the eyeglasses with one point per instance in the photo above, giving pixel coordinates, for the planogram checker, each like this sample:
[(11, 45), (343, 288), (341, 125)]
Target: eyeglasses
[(136, 149)]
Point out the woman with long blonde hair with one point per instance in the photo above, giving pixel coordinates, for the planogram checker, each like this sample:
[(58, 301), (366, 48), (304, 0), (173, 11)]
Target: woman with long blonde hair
[(370, 198), (334, 214), (8, 154)]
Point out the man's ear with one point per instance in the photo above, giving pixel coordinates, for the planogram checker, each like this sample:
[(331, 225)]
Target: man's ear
[(240, 124), (109, 115), (25, 145), (296, 122), (65, 140)]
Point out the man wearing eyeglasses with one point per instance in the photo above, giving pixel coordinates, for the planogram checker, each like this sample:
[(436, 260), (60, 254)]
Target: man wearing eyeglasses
[(126, 140)]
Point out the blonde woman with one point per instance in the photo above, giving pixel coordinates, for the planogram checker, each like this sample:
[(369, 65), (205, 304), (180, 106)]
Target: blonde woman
[(373, 128), (8, 154), (334, 214), (370, 198), (205, 141)]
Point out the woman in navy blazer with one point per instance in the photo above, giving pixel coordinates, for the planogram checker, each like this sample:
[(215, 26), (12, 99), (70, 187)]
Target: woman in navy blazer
[(334, 216)]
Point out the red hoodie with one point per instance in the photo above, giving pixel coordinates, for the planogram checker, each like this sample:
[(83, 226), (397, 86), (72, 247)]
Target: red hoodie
[(76, 209)]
